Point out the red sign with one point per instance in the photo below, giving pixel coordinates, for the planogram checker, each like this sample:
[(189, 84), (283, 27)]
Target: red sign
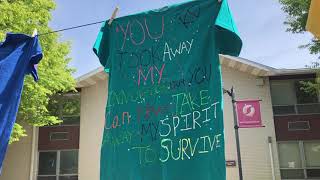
[(248, 112)]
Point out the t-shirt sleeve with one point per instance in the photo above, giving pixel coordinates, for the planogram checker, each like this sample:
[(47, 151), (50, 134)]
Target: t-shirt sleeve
[(227, 35), (36, 56), (102, 45)]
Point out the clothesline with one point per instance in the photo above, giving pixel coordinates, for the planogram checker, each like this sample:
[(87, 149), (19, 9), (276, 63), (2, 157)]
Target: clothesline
[(113, 16), (69, 28)]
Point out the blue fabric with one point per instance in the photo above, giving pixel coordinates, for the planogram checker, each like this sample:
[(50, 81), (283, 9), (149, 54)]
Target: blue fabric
[(19, 55)]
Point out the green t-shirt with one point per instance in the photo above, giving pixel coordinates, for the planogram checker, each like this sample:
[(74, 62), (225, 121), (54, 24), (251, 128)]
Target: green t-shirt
[(164, 116)]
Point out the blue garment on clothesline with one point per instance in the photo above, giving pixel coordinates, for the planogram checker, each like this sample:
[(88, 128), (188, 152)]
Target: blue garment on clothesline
[(19, 55)]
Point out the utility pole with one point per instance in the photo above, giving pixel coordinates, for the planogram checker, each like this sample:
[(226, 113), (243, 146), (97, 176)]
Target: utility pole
[(236, 128)]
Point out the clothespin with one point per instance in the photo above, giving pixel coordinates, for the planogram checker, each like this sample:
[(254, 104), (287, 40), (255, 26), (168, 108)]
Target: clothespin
[(35, 32), (114, 14)]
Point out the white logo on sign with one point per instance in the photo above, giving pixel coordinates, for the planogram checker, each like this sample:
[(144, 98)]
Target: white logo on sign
[(248, 110)]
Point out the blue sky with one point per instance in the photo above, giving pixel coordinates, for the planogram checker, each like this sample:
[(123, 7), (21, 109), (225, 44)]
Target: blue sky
[(260, 24)]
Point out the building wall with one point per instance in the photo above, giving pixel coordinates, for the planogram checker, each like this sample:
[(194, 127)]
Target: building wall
[(93, 101), (283, 134), (72, 141), (254, 142), (16, 165)]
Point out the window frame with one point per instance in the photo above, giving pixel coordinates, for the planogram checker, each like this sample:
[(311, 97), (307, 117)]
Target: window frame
[(57, 175), (299, 129), (59, 132), (302, 157)]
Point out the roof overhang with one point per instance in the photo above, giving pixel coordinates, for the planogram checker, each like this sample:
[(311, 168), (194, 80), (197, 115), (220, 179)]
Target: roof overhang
[(246, 66), (289, 72), (91, 78)]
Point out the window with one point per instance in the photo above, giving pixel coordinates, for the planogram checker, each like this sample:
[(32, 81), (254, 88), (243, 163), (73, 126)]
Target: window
[(282, 92), (58, 165), (66, 107), (299, 160), (290, 97), (68, 162), (290, 155), (289, 92), (290, 161), (47, 163), (313, 108), (304, 97), (312, 153), (284, 109)]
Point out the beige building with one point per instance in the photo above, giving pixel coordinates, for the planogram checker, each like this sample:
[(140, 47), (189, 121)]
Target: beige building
[(41, 155)]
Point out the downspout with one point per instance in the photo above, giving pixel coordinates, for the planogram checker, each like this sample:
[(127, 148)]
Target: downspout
[(33, 149), (271, 158), (33, 143)]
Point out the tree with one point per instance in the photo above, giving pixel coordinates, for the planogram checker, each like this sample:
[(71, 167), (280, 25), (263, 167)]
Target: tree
[(297, 16), (22, 16)]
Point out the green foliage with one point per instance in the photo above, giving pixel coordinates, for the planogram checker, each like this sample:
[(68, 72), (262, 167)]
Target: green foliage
[(64, 105), (22, 16), (297, 16), (313, 87), (17, 133), (297, 11), (67, 107)]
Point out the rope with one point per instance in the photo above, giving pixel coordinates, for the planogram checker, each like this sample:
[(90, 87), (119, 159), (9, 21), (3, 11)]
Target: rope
[(70, 28)]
